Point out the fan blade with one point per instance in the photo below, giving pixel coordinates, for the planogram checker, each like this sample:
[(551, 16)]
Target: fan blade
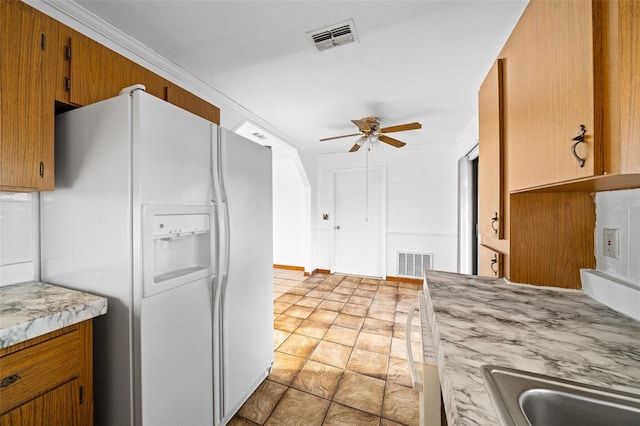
[(401, 127), (338, 137), (391, 141), (354, 148), (362, 125)]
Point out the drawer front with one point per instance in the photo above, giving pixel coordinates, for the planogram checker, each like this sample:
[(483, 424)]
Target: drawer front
[(37, 369)]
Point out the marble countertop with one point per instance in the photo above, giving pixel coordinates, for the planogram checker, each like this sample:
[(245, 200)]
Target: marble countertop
[(563, 333), (29, 310)]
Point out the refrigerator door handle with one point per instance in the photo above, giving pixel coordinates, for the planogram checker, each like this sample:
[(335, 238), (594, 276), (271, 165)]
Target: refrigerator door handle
[(225, 251)]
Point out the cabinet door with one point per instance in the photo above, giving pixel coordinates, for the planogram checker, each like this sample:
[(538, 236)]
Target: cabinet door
[(97, 73), (550, 92), (22, 118), (490, 167), (59, 406)]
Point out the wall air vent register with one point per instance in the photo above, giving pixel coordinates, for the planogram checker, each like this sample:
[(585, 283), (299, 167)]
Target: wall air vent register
[(412, 265)]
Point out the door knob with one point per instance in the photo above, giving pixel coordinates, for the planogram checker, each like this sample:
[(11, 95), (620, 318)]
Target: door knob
[(338, 227)]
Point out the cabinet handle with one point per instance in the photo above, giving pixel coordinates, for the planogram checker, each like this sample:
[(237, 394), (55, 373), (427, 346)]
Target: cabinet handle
[(8, 381), (41, 169), (578, 139), (494, 262), (67, 84), (494, 223)]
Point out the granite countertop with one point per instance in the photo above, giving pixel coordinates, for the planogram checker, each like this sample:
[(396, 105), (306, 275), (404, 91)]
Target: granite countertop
[(29, 310), (558, 332)]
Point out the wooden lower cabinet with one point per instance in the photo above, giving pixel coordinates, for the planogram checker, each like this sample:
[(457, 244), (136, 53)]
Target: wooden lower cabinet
[(48, 380)]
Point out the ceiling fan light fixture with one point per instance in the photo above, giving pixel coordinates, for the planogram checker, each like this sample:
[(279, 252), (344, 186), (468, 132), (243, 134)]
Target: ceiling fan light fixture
[(373, 140), (361, 140)]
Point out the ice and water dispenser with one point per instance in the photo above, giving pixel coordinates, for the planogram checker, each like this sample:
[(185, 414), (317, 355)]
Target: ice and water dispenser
[(178, 246)]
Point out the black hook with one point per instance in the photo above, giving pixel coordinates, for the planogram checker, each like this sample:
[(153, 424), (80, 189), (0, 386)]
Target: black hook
[(494, 220), (494, 261), (579, 139)]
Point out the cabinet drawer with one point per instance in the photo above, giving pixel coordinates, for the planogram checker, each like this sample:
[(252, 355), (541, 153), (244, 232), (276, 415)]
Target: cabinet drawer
[(39, 368)]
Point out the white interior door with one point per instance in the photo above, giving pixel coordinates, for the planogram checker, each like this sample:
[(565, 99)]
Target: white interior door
[(360, 222)]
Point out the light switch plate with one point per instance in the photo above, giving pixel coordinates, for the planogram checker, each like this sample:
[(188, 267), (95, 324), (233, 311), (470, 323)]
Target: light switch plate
[(610, 243)]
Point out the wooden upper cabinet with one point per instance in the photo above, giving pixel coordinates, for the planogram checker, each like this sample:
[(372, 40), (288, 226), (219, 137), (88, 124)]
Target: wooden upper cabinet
[(550, 92), (26, 145), (188, 101), (97, 73), (490, 166)]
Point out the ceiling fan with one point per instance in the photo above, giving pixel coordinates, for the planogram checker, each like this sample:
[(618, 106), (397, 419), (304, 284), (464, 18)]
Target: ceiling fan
[(370, 131)]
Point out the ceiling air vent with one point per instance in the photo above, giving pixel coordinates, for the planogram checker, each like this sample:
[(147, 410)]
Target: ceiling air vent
[(333, 35)]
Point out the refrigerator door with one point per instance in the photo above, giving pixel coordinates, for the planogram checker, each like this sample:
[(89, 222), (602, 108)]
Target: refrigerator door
[(176, 367), (247, 288), (172, 153)]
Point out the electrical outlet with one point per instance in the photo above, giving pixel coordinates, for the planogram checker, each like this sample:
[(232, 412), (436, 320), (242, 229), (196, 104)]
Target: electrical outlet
[(610, 243)]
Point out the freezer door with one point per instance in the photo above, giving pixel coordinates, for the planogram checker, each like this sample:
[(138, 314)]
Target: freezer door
[(176, 356), (172, 150), (247, 291)]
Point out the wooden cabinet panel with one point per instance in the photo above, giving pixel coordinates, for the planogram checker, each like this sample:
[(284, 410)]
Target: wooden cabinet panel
[(627, 13), (551, 237), (52, 379), (550, 91), (55, 407), (190, 102), (97, 73), (25, 163), (490, 167)]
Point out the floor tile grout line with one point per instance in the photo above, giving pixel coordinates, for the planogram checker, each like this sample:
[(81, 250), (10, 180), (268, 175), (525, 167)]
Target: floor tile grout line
[(333, 283)]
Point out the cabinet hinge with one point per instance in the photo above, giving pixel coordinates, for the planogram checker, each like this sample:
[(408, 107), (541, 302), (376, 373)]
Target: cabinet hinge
[(81, 394), (67, 84), (41, 169), (67, 53), (43, 41)]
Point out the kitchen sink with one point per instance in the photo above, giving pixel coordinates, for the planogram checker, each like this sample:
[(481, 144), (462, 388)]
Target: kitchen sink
[(528, 399)]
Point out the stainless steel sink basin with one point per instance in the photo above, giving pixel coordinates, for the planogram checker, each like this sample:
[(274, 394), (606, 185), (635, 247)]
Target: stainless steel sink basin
[(528, 399)]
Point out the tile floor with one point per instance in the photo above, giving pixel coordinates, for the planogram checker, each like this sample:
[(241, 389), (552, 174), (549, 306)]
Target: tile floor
[(340, 356)]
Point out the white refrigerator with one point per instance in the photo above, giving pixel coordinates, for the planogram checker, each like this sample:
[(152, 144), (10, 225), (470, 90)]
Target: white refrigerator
[(169, 217)]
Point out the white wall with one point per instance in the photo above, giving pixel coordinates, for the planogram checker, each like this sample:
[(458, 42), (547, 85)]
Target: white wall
[(289, 213), (468, 138), (619, 210), (421, 202)]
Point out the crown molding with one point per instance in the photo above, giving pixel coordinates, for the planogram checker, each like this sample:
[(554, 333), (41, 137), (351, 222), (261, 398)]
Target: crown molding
[(80, 19), (87, 23)]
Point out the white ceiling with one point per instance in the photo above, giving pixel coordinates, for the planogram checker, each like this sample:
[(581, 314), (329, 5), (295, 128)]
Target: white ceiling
[(415, 60)]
